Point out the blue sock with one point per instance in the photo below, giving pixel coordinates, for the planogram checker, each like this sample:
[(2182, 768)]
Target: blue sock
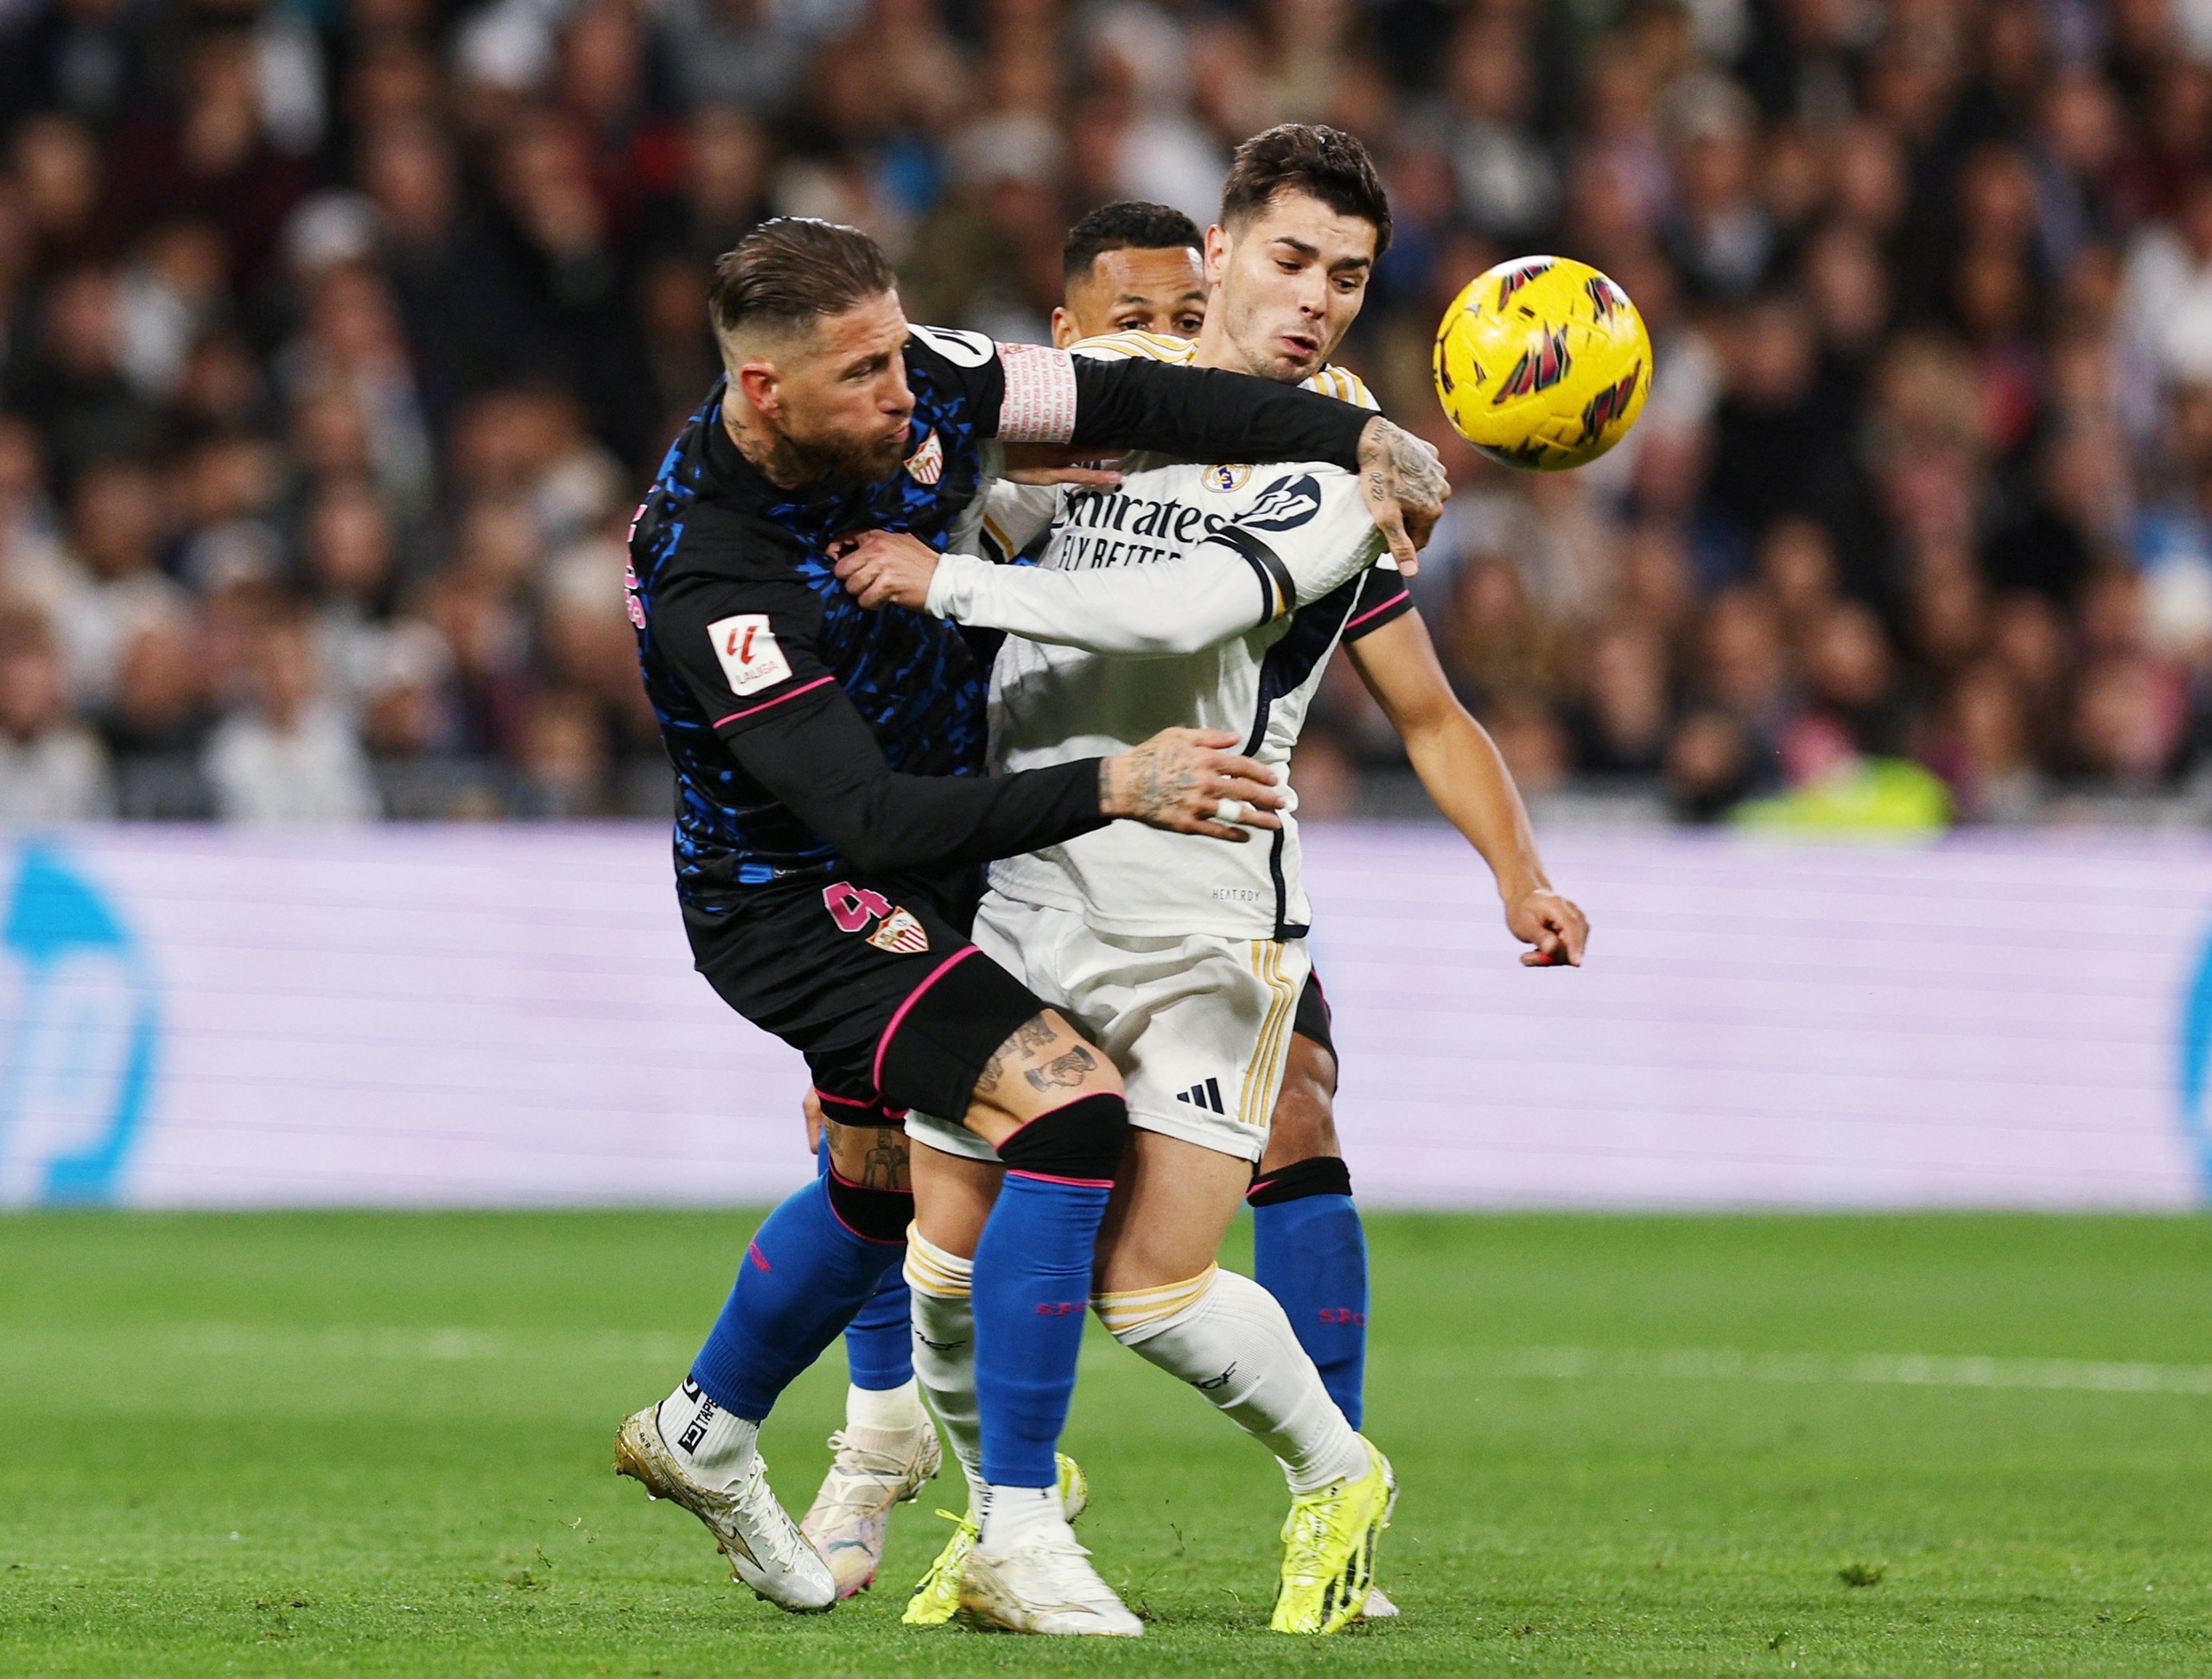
[(805, 1274), (880, 1342), (1031, 1288), (1309, 1252)]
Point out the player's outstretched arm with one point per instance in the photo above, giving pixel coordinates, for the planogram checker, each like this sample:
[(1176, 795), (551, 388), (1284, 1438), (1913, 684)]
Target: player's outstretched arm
[(1306, 535), (747, 654), (820, 761), (1175, 607), (1129, 402), (1459, 766)]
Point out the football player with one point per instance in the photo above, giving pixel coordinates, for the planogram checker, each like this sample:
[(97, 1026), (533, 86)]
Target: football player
[(829, 818), (1235, 585)]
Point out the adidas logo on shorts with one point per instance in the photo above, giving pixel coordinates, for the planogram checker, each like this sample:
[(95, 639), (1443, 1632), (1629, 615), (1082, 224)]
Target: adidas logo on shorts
[(1207, 1094)]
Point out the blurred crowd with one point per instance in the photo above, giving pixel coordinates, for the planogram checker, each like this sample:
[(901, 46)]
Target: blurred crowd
[(337, 336)]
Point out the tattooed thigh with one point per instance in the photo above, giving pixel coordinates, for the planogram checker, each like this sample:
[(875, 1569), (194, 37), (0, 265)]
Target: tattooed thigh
[(1046, 1054), (874, 1156)]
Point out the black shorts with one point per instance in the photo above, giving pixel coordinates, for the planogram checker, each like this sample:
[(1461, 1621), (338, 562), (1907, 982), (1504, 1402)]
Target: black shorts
[(873, 979), (1312, 1020)]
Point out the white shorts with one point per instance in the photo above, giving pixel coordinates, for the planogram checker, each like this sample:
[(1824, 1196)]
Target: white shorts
[(1199, 1026)]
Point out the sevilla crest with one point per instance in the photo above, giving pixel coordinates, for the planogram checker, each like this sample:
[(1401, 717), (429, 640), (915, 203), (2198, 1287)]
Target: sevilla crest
[(900, 934), (926, 464)]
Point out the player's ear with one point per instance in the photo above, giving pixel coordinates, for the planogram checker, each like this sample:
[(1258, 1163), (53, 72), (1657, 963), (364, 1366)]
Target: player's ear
[(761, 386), (1063, 332), (1217, 255)]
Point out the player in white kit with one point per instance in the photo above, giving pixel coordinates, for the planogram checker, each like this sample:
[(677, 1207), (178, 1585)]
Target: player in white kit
[(1231, 586)]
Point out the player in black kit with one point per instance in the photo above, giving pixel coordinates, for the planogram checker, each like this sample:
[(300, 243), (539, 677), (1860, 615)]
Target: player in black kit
[(833, 818)]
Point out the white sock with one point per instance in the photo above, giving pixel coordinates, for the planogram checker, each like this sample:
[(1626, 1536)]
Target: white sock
[(713, 1445), (885, 1411), (1226, 1336), (1015, 1516), (944, 1352)]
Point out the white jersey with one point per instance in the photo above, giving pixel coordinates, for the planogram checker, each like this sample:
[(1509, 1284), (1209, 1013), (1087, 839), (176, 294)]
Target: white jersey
[(1204, 595)]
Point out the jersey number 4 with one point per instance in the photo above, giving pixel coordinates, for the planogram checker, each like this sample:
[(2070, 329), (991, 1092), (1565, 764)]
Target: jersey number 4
[(853, 907)]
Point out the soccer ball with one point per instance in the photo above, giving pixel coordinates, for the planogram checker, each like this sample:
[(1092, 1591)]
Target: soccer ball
[(1542, 363)]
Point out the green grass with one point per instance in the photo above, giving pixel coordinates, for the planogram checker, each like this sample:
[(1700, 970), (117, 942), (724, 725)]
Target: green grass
[(379, 1445)]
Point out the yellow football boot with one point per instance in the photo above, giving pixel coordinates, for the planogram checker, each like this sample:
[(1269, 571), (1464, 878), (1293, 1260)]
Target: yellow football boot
[(1329, 1543), (937, 1599)]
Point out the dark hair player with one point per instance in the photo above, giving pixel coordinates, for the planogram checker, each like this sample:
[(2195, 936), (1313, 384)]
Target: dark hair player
[(832, 816)]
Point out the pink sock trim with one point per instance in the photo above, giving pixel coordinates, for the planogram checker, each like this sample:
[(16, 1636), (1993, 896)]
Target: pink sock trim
[(1049, 1178)]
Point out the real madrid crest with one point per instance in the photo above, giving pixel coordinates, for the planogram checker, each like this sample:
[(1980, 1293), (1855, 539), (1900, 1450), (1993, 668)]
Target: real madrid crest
[(1227, 480), (926, 464)]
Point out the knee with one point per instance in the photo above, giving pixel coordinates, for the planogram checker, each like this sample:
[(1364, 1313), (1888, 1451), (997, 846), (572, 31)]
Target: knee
[(873, 1155), (868, 1211), (1133, 1316), (1304, 1125), (938, 1273), (1080, 1141)]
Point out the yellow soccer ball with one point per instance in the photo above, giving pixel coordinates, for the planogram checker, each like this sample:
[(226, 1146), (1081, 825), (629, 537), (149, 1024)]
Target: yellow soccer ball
[(1542, 363)]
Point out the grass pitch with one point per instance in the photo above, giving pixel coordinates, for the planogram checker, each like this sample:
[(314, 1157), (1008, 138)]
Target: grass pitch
[(379, 1445)]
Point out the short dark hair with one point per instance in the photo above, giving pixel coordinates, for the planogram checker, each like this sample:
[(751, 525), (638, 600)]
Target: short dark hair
[(1131, 225), (1312, 158), (792, 271)]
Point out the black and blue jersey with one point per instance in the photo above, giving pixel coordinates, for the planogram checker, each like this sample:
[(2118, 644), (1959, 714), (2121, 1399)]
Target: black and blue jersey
[(809, 735)]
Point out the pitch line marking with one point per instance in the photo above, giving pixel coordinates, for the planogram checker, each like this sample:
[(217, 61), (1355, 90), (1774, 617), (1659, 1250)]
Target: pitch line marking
[(1910, 1370), (443, 1344)]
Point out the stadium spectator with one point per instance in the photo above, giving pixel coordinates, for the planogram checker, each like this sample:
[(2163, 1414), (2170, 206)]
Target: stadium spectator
[(370, 320), (287, 754), (52, 768)]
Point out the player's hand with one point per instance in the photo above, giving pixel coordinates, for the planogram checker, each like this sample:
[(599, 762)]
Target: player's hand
[(1061, 463), (885, 569), (1188, 781), (814, 1120), (1554, 924), (1401, 480)]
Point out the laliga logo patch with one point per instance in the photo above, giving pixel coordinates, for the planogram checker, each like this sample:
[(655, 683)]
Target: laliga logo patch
[(1285, 505), (747, 649), (900, 934), (1227, 480), (926, 464)]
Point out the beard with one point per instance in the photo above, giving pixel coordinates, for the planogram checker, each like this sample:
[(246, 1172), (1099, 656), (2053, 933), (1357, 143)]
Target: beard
[(839, 455)]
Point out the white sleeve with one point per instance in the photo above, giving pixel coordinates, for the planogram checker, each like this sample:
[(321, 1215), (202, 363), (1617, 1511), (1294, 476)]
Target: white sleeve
[(1313, 518), (1175, 607)]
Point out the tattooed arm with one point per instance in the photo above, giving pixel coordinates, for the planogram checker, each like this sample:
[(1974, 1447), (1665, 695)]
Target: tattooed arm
[(1178, 780), (1401, 480)]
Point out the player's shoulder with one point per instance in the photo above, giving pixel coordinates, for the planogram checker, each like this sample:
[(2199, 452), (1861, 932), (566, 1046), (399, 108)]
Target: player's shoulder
[(954, 366), (1344, 386), (1149, 346), (949, 348), (726, 559)]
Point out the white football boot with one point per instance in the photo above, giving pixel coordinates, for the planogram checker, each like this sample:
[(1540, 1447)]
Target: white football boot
[(1046, 1585), (874, 1469), (764, 1545), (937, 1599)]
